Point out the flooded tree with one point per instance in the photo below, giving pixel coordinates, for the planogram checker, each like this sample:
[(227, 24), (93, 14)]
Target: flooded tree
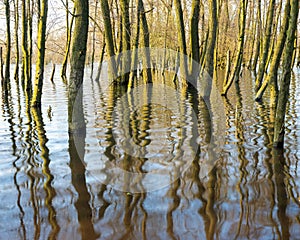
[(41, 42)]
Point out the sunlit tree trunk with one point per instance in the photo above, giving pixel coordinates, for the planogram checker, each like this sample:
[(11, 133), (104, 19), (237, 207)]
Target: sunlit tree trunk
[(181, 40), (279, 128), (41, 42), (258, 36), (16, 15), (8, 41), (239, 58), (272, 76), (109, 39), (266, 45), (77, 62), (126, 32), (30, 11)]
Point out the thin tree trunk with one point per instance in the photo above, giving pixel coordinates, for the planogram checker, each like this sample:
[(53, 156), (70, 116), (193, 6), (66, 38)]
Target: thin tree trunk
[(94, 40), (100, 61), (258, 37), (266, 46), (16, 10), (109, 39), (63, 72), (181, 41), (273, 73), (210, 52), (239, 58), (8, 41), (279, 128), (194, 37), (1, 66), (77, 62), (41, 43), (29, 35)]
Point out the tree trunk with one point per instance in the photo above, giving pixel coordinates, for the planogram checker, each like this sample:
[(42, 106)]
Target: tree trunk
[(63, 72), (194, 38), (41, 42), (77, 62), (109, 40), (147, 75), (8, 42), (16, 15), (181, 41), (100, 61), (258, 37), (266, 46), (239, 58), (211, 44), (25, 75), (272, 76), (126, 32), (94, 41), (279, 128)]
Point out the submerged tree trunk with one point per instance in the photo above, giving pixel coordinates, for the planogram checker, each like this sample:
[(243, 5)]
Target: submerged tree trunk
[(41, 42), (77, 61), (272, 76), (266, 45), (181, 41), (279, 128), (210, 50), (126, 34), (109, 40), (63, 72), (239, 58), (8, 41), (16, 15), (194, 38), (147, 75)]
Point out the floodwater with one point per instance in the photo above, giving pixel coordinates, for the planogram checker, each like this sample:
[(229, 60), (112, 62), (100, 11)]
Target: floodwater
[(156, 163)]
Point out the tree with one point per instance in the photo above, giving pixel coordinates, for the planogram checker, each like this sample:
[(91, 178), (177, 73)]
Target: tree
[(273, 73), (16, 16), (8, 41), (77, 62), (41, 42), (194, 38), (279, 128), (109, 39), (266, 45), (239, 58)]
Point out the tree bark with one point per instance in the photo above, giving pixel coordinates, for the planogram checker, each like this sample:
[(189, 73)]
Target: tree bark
[(41, 43), (273, 73), (266, 46), (239, 58), (109, 39), (279, 128), (8, 42), (16, 15), (77, 62), (194, 38)]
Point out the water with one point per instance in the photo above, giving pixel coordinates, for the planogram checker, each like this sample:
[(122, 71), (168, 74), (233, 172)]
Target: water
[(231, 187)]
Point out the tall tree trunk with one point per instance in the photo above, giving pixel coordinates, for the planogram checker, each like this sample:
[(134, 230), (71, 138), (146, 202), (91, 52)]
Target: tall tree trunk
[(258, 36), (211, 44), (29, 35), (266, 45), (181, 41), (239, 58), (41, 42), (279, 128), (126, 32), (63, 72), (8, 41), (25, 64), (109, 39), (77, 62), (94, 40), (194, 38), (273, 73), (16, 15), (147, 75)]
